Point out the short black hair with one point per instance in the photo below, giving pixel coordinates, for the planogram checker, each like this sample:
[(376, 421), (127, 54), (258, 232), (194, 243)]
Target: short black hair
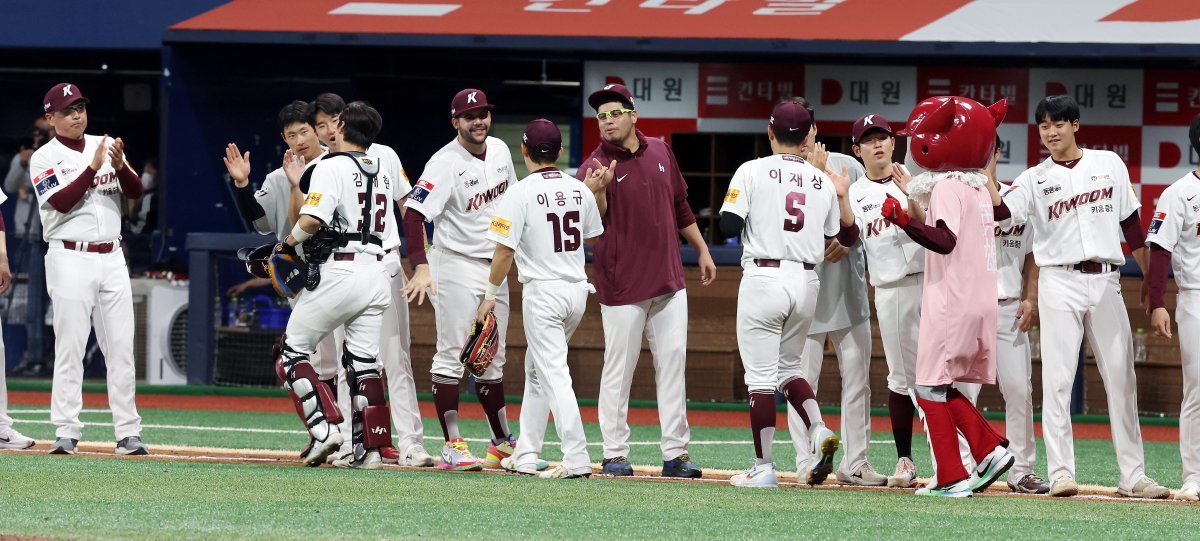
[(1194, 133), (795, 138), (328, 103), (799, 100), (542, 155), (293, 113), (361, 122), (1060, 108)]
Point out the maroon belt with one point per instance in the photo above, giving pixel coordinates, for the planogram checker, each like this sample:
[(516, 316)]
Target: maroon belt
[(94, 247), (349, 256), (775, 263), (1093, 267)]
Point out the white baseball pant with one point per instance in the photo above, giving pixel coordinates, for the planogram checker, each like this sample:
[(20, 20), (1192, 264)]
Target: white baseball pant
[(1074, 305), (775, 309), (1187, 315), (352, 295), (551, 311), (6, 422), (898, 308), (853, 348), (663, 319), (91, 289), (461, 282)]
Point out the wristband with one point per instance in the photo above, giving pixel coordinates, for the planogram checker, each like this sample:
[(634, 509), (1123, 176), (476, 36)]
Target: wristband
[(490, 293), (299, 234)]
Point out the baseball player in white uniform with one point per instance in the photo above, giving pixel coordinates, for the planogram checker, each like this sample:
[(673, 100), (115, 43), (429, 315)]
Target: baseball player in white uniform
[(350, 193), (1174, 242), (79, 181), (785, 210), (458, 191), (843, 317), (1078, 203), (9, 437), (395, 341), (896, 266), (543, 221)]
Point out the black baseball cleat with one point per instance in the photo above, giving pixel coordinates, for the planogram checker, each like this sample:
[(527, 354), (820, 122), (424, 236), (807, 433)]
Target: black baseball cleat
[(617, 466), (681, 466)]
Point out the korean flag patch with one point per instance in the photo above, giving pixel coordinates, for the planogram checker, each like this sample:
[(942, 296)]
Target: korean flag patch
[(45, 182), (420, 191), (1157, 222)]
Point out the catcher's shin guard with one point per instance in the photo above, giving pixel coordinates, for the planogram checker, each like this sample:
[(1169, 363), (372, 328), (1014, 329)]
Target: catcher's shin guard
[(372, 426), (317, 407)]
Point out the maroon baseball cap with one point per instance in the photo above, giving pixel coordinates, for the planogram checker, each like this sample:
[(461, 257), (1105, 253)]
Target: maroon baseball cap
[(60, 97), (542, 135), (791, 116), (611, 92), (864, 125), (469, 99)]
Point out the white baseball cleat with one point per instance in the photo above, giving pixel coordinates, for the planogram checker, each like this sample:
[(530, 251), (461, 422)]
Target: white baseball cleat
[(758, 476), (1189, 493), (320, 450), (865, 476), (958, 489), (825, 444), (370, 461), (561, 472), (1146, 488), (11, 439), (905, 475), (995, 464), (508, 464), (1064, 487), (416, 456), (804, 470)]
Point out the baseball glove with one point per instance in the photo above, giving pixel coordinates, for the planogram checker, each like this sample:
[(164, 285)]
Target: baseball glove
[(287, 271), (480, 349)]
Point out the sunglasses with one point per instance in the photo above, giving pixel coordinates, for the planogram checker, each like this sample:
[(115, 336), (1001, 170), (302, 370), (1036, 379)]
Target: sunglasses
[(616, 114), (77, 107)]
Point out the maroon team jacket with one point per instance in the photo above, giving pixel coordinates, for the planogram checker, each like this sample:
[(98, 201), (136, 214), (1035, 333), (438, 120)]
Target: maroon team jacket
[(637, 257)]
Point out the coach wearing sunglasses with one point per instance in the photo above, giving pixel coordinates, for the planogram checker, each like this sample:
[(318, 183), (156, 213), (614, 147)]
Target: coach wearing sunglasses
[(639, 277)]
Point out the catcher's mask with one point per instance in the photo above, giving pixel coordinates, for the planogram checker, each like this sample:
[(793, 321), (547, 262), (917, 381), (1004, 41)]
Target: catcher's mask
[(286, 271)]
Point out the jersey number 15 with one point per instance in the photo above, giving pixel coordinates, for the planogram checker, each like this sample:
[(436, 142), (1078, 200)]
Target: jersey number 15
[(566, 232)]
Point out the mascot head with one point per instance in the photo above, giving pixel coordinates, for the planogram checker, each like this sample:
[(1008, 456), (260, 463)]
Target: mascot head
[(953, 133)]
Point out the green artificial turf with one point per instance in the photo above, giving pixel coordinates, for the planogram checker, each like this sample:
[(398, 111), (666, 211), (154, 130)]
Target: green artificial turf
[(712, 447), (107, 498)]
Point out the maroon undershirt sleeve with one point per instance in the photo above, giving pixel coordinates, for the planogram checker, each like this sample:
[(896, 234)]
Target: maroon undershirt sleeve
[(414, 237), (1001, 212), (938, 238), (1160, 263), (65, 199), (131, 183), (1, 222), (1135, 236), (848, 235)]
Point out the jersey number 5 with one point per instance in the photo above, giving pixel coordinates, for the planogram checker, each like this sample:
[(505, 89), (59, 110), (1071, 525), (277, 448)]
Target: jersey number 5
[(565, 227), (381, 203), (792, 205)]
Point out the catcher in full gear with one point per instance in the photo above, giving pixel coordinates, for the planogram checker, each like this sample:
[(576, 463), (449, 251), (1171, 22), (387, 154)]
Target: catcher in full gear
[(346, 215)]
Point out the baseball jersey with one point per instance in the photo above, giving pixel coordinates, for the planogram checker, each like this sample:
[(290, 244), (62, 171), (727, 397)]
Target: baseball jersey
[(891, 254), (274, 196), (788, 206), (1012, 245), (337, 194), (1176, 228), (457, 192), (97, 217), (1075, 213), (545, 218), (842, 300)]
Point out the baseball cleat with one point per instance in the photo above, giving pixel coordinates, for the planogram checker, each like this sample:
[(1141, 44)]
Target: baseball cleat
[(15, 440), (416, 456), (1029, 483), (804, 470), (758, 476), (825, 444), (497, 452), (992, 467), (1189, 493), (456, 457), (1064, 487), (507, 464), (321, 450), (560, 472), (617, 466), (307, 448), (1146, 488), (63, 446), (866, 476), (957, 489), (389, 454), (370, 461), (905, 475), (132, 445), (682, 467)]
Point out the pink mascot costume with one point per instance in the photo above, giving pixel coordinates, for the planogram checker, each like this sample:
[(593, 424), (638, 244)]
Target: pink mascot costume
[(952, 139)]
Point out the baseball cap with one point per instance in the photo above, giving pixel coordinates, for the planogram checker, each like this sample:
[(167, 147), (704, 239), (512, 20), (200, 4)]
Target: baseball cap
[(542, 135), (791, 116), (61, 96), (867, 123), (611, 92), (469, 99)]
